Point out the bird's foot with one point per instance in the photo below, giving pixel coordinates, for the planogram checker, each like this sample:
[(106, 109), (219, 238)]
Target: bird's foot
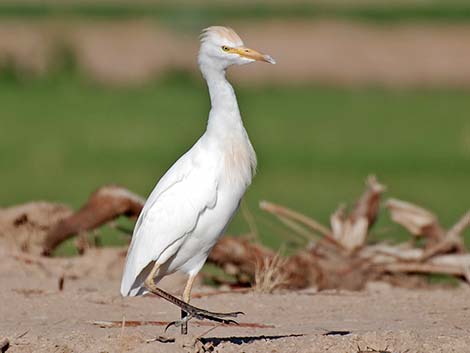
[(201, 314), (192, 311)]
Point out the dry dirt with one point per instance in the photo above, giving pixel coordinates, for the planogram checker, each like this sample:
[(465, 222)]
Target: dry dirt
[(37, 317)]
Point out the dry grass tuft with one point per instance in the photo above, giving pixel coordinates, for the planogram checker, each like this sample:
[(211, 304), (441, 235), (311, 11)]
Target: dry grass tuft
[(270, 274)]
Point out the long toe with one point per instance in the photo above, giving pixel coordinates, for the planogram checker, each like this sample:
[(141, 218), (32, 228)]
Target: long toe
[(221, 316), (222, 320), (201, 312), (217, 317)]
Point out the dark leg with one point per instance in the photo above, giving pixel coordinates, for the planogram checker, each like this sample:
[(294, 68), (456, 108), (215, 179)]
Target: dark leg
[(189, 310), (186, 299), (184, 323)]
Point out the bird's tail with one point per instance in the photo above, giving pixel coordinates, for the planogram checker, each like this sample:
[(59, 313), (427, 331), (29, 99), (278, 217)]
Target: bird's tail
[(132, 285)]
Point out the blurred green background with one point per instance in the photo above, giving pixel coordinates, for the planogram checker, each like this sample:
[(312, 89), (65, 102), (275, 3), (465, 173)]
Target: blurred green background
[(64, 133)]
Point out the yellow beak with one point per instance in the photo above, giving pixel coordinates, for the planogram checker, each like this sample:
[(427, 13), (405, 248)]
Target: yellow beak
[(253, 54)]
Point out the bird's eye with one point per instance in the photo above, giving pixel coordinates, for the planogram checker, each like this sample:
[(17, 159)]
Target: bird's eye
[(225, 48)]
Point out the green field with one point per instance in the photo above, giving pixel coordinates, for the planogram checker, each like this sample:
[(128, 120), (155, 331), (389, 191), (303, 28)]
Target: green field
[(62, 137)]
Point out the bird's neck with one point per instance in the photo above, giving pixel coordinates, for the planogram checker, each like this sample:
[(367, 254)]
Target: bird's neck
[(224, 114)]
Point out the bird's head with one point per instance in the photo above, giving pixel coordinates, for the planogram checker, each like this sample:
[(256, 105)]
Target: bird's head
[(221, 47)]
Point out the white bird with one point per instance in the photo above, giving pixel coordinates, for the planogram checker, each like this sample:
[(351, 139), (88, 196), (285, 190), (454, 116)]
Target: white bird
[(192, 204)]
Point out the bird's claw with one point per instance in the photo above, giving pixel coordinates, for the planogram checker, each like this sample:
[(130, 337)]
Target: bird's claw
[(178, 323)]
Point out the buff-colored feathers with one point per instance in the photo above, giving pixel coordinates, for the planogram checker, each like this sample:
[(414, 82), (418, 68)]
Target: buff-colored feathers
[(240, 161), (221, 33)]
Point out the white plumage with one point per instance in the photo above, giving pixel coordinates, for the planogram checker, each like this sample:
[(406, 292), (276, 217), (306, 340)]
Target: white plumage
[(194, 201)]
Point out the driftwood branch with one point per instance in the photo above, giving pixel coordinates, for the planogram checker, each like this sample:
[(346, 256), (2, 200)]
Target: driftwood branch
[(451, 266), (417, 220), (282, 211), (103, 206), (421, 222), (333, 258), (342, 259), (369, 203), (351, 230), (321, 266), (452, 240)]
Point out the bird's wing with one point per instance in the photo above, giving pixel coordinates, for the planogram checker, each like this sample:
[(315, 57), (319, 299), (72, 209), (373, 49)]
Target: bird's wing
[(171, 212)]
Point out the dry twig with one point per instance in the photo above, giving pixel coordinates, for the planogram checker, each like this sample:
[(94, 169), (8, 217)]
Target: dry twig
[(282, 211), (270, 274)]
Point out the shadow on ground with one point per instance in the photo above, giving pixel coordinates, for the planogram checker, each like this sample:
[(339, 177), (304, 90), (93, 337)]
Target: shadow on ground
[(245, 339)]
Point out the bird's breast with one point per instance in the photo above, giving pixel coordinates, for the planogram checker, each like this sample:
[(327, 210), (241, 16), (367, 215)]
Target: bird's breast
[(239, 162)]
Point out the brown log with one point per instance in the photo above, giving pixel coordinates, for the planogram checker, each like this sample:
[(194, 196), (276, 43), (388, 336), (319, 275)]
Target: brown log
[(104, 205)]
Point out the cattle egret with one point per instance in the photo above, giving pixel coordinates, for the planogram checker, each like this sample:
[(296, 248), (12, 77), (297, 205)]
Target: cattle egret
[(192, 204)]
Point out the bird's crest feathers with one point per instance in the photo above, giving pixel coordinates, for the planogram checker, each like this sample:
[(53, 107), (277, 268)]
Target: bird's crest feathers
[(221, 33)]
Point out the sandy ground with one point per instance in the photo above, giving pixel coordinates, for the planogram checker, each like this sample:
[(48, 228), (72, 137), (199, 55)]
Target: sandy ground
[(325, 51), (37, 317)]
